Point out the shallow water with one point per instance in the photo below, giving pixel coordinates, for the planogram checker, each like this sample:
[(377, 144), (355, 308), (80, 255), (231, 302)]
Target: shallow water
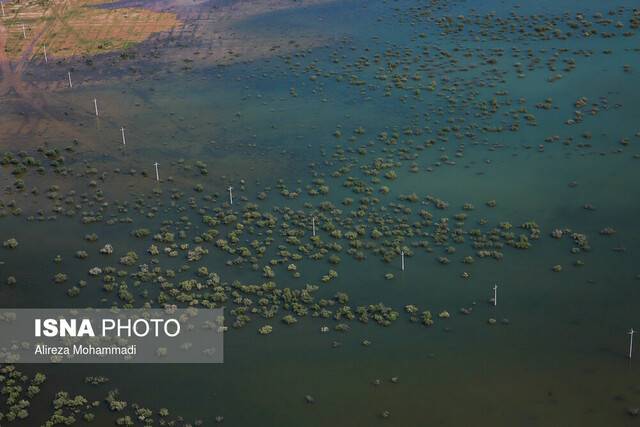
[(562, 358)]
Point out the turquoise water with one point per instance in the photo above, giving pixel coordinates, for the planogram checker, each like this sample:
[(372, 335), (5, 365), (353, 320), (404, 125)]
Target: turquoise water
[(561, 360)]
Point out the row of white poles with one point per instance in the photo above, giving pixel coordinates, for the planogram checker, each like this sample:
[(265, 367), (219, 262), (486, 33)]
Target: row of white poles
[(313, 220)]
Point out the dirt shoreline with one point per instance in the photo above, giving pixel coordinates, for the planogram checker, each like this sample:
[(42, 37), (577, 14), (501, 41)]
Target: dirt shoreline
[(205, 37)]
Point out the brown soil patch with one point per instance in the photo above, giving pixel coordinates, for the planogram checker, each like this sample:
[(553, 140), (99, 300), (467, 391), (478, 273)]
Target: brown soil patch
[(76, 27)]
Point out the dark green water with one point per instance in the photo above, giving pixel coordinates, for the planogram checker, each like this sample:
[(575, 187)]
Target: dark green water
[(561, 360)]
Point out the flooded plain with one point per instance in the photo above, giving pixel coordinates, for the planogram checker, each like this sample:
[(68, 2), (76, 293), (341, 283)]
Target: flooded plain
[(485, 144)]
